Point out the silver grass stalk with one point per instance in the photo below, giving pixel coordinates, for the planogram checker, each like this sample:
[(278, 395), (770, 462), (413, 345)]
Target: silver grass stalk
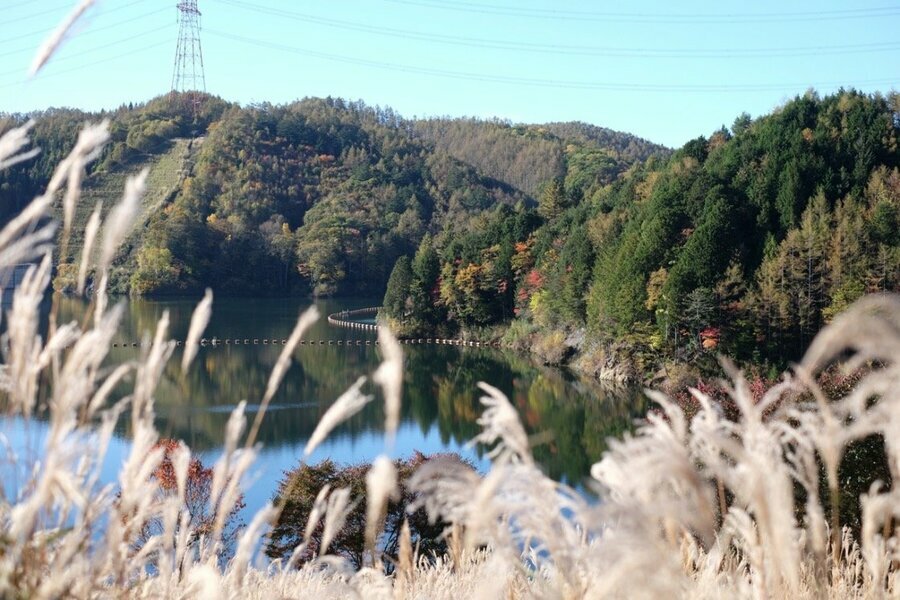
[(90, 142), (55, 39), (231, 493), (339, 508), (72, 195), (310, 316), (11, 144), (389, 376), (227, 474), (24, 342), (87, 249), (100, 297), (171, 514), (181, 461), (381, 486), (406, 560), (501, 426), (877, 509), (320, 505), (100, 397), (348, 404), (79, 375), (205, 583), (237, 422), (199, 321), (23, 239), (249, 540), (121, 218), (149, 371), (304, 322)]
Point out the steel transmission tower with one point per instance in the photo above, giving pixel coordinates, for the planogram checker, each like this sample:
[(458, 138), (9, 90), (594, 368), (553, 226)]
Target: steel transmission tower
[(187, 76)]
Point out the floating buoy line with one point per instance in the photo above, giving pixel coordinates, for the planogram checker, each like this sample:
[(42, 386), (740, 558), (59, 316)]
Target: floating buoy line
[(339, 319)]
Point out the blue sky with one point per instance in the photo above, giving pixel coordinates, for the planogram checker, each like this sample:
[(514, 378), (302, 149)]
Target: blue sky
[(667, 71)]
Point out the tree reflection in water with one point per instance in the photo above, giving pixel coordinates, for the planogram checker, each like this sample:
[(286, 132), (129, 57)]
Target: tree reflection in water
[(575, 416)]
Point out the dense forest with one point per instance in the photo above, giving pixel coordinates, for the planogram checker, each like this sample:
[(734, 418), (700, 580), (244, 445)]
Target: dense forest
[(528, 156), (319, 196), (576, 239), (746, 242)]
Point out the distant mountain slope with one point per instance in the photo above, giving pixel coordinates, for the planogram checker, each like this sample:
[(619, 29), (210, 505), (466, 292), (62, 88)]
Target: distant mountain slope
[(528, 156), (319, 195), (624, 146)]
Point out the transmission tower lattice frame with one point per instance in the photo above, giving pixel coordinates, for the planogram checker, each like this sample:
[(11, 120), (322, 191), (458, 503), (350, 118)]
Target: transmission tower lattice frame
[(187, 74)]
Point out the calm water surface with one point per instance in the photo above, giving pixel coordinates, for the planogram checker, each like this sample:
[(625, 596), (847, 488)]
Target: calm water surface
[(440, 397)]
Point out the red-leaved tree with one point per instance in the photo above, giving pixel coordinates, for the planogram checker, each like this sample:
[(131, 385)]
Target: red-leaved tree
[(198, 490)]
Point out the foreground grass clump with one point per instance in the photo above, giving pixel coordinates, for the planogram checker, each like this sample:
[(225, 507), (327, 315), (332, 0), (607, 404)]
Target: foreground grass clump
[(298, 493)]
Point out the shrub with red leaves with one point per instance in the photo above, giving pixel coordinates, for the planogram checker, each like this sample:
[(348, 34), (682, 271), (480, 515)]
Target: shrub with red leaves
[(197, 494)]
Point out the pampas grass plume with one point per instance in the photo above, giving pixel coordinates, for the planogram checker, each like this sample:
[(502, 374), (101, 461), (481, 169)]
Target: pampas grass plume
[(348, 404), (199, 321), (55, 39)]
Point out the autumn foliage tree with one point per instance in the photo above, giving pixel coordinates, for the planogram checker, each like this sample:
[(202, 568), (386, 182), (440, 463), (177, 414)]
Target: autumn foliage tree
[(197, 496), (297, 494)]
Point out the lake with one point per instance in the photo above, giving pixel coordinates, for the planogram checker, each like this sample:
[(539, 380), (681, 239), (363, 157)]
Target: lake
[(440, 397)]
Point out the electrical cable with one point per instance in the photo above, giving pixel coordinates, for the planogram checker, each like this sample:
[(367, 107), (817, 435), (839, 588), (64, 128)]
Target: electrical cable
[(31, 47), (88, 65), (95, 48), (619, 52), (669, 18), (535, 82), (38, 14), (18, 4), (105, 12)]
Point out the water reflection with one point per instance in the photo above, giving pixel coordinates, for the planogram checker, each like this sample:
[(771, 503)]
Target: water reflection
[(440, 405)]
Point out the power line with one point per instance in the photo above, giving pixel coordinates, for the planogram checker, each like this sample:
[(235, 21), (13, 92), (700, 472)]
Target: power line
[(534, 82), (611, 51), (101, 47), (18, 4), (88, 65), (31, 47), (38, 14), (49, 29), (682, 18)]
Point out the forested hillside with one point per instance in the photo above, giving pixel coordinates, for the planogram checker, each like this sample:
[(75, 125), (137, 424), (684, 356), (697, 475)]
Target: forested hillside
[(744, 242), (528, 156), (319, 196)]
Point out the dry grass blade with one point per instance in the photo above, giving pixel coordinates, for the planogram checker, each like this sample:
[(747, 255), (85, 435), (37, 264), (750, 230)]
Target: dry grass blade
[(319, 507), (87, 249), (121, 218), (389, 376), (88, 146), (23, 342), (381, 486), (199, 321), (871, 326), (339, 508), (249, 540), (283, 363), (445, 487), (53, 42), (21, 238), (348, 404), (500, 424), (12, 142)]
